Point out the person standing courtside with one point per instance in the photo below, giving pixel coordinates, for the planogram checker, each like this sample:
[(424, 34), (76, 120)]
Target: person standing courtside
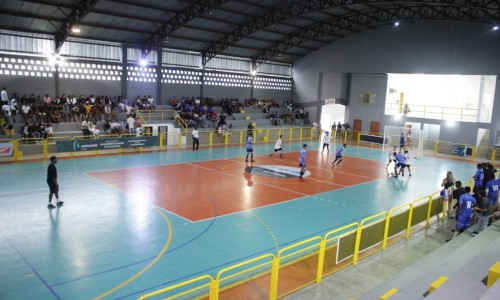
[(278, 148), (250, 148), (52, 182), (196, 138), (302, 161)]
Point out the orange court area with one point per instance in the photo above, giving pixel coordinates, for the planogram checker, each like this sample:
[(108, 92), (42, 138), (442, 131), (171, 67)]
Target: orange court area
[(202, 190)]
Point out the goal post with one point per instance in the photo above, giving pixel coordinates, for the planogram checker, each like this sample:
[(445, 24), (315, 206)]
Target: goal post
[(413, 138)]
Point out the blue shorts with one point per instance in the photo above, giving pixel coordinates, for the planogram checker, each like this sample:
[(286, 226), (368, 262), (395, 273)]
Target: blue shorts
[(463, 222), (249, 150), (337, 156)]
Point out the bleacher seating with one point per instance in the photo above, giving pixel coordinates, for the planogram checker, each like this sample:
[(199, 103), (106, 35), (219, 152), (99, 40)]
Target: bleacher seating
[(465, 261), (237, 121)]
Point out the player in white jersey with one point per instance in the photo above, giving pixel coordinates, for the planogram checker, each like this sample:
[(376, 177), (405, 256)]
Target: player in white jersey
[(277, 147), (326, 142)]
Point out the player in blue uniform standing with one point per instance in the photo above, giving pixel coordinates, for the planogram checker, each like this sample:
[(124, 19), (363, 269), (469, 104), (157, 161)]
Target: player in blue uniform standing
[(492, 188), (302, 160), (479, 176), (402, 142), (466, 202), (250, 148), (338, 155)]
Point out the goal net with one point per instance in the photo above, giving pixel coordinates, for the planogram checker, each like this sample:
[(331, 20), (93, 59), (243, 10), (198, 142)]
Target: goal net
[(413, 138)]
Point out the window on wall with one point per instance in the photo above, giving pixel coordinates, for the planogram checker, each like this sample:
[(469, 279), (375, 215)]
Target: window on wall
[(33, 67), (141, 74), (467, 98), (89, 71), (273, 83)]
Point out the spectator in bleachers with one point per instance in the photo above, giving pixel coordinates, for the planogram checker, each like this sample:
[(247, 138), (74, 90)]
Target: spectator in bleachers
[(85, 127), (25, 132), (41, 128), (49, 130), (26, 112), (47, 99), (131, 124), (65, 112), (93, 129), (4, 96)]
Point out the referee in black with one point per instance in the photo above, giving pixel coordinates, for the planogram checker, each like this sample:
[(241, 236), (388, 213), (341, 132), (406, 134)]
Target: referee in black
[(52, 182)]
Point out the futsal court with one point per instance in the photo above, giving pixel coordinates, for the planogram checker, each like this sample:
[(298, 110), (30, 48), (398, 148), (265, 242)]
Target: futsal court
[(135, 223)]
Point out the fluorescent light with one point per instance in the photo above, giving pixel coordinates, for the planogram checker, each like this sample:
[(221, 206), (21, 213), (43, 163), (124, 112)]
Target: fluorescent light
[(495, 28), (254, 72), (75, 30), (143, 62)]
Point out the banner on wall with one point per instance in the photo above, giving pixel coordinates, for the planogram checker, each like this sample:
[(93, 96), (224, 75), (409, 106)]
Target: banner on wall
[(6, 149), (104, 144)]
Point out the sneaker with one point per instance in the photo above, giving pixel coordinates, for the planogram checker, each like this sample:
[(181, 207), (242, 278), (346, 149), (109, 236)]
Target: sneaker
[(270, 155), (246, 160), (473, 233), (50, 205), (60, 202), (253, 160)]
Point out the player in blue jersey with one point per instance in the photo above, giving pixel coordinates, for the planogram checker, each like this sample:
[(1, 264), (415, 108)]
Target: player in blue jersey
[(338, 155), (250, 148), (479, 176), (400, 163), (302, 160), (402, 142), (492, 188), (466, 205)]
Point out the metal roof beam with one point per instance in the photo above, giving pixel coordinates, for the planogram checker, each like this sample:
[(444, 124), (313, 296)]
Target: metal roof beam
[(78, 12), (30, 15), (180, 19), (417, 11)]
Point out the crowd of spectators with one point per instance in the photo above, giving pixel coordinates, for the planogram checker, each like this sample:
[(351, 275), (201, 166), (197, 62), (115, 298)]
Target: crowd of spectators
[(38, 113)]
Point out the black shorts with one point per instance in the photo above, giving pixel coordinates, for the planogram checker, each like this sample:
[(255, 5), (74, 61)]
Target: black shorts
[(249, 150), (53, 187), (276, 150), (400, 165), (302, 165)]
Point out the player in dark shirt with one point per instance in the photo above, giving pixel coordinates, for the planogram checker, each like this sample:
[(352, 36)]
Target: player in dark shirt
[(52, 182)]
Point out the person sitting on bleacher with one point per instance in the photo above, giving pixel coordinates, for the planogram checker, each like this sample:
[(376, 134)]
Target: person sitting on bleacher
[(25, 132), (212, 116)]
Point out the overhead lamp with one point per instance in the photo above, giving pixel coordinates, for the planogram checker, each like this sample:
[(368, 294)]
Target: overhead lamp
[(495, 27), (254, 72), (396, 23), (143, 62), (75, 29)]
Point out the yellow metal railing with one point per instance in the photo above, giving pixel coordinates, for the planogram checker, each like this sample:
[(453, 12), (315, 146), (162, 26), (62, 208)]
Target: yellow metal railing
[(307, 261)]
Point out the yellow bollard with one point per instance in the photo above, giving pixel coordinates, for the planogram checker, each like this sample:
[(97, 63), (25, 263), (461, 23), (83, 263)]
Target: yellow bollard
[(436, 284), (389, 294), (210, 138), (15, 153), (493, 274), (45, 149)]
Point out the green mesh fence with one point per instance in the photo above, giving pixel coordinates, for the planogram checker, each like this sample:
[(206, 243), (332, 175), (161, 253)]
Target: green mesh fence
[(398, 223), (419, 213), (372, 235)]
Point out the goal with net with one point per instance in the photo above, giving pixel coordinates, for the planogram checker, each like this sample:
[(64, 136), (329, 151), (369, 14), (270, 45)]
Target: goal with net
[(413, 138)]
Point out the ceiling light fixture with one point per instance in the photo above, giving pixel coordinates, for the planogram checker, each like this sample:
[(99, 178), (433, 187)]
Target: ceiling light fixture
[(143, 62), (495, 27), (396, 23), (75, 30)]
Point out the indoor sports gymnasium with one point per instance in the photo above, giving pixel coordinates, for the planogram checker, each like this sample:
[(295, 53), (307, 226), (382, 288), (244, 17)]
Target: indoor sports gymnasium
[(249, 150)]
